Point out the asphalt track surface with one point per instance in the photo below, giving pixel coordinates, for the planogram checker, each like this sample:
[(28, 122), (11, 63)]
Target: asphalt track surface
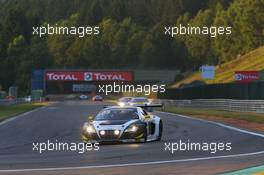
[(62, 121)]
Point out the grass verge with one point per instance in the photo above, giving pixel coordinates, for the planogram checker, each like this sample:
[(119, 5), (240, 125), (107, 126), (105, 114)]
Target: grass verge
[(252, 121), (13, 110), (253, 60)]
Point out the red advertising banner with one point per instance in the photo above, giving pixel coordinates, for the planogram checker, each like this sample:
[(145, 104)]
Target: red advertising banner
[(89, 76), (246, 76)]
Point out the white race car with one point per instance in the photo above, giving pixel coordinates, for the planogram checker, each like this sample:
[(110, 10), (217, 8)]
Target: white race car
[(142, 101), (135, 101), (122, 124)]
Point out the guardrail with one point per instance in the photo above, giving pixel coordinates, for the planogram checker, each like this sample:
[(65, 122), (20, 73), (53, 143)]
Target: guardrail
[(219, 104), (12, 101)]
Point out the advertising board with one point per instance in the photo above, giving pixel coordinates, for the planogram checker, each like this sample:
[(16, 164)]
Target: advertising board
[(89, 76)]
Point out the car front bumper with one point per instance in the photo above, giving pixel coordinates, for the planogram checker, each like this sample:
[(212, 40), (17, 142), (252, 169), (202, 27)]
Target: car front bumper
[(110, 137)]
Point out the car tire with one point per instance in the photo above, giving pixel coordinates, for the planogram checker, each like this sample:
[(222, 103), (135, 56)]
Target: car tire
[(160, 131)]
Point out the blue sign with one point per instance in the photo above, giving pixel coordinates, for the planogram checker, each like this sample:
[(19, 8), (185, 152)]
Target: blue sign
[(37, 80), (207, 72)]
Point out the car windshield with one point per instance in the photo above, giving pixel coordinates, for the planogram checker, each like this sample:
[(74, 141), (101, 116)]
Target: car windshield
[(136, 100), (125, 99), (117, 114)]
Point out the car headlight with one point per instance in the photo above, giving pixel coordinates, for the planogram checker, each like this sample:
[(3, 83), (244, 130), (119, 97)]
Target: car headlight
[(132, 128), (116, 132), (121, 104), (89, 129), (102, 132)]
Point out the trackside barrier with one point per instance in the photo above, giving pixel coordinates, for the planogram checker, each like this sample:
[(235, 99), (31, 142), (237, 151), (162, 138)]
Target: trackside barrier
[(12, 101), (238, 91), (219, 104)]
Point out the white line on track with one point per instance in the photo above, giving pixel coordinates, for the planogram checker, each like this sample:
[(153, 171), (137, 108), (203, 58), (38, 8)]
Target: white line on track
[(153, 162), (133, 164), (217, 123)]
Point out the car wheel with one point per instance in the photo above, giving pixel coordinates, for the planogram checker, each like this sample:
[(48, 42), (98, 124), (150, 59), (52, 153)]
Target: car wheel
[(160, 131)]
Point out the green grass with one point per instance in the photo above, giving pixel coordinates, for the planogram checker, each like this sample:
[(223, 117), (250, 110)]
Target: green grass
[(12, 110), (225, 73), (253, 170), (217, 114)]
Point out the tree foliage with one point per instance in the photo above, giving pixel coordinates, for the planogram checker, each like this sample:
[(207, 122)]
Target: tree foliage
[(131, 34)]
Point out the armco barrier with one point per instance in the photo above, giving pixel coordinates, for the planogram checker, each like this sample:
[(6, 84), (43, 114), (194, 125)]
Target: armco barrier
[(12, 101), (219, 104), (239, 91)]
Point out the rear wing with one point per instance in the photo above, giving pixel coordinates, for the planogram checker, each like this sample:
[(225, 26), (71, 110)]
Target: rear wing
[(148, 107)]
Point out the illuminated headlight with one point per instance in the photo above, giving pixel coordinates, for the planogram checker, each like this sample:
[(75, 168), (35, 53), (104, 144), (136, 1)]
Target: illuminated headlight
[(121, 104), (132, 128), (116, 132), (90, 129), (102, 132)]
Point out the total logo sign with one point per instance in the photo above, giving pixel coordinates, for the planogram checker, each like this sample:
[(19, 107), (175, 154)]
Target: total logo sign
[(246, 76), (63, 76), (89, 76), (111, 76)]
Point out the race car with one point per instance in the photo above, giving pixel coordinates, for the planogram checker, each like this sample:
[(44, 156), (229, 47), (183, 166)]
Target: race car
[(141, 101), (83, 97), (124, 101), (135, 101), (122, 124), (97, 98)]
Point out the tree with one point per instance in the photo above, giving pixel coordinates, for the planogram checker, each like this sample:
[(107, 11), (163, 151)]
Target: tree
[(247, 21), (23, 58), (118, 10), (199, 45)]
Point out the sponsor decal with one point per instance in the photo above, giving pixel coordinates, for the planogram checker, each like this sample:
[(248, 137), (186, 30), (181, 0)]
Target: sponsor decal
[(246, 76), (89, 76)]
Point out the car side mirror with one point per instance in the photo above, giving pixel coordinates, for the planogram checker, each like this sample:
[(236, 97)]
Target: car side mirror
[(90, 118)]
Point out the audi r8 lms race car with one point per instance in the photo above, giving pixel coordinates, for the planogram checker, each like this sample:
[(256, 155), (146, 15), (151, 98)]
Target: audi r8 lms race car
[(122, 124)]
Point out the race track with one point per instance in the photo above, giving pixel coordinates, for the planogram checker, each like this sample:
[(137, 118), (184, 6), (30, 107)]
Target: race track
[(62, 121)]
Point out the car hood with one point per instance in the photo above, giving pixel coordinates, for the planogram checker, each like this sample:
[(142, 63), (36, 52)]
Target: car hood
[(112, 124)]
